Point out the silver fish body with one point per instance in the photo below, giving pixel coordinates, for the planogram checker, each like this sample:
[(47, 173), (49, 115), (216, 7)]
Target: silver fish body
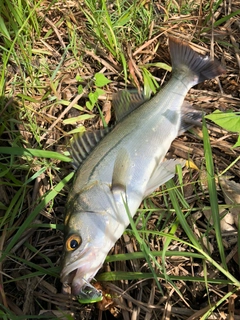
[(124, 167)]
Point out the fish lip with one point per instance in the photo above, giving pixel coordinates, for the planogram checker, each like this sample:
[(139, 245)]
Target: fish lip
[(68, 273), (74, 287), (84, 293), (79, 274), (76, 284), (67, 280), (80, 283), (81, 290)]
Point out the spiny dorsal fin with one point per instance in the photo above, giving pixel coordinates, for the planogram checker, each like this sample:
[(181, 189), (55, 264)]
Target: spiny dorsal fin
[(83, 144), (125, 101)]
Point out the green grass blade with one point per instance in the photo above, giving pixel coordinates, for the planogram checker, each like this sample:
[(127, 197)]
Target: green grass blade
[(121, 275), (171, 189), (18, 151), (27, 223), (144, 248), (213, 192), (140, 255)]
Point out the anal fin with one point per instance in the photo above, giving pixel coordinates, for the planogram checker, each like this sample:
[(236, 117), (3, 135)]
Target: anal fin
[(164, 172)]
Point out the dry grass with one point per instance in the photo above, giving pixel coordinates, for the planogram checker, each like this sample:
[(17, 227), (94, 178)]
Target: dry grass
[(41, 95)]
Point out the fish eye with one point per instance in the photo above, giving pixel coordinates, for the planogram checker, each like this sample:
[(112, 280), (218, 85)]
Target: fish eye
[(73, 242)]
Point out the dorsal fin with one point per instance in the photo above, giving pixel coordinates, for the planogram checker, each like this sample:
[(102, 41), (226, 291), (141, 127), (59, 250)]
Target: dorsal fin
[(125, 101), (83, 144)]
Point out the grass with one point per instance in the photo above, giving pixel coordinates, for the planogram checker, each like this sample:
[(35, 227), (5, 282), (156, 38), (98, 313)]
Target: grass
[(60, 63)]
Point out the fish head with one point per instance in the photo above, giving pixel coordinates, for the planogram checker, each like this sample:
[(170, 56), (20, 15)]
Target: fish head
[(84, 251), (87, 240)]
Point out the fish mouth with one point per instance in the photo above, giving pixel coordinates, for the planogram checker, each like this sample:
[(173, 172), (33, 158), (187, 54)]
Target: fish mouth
[(77, 282), (80, 285), (67, 281), (76, 276), (86, 294)]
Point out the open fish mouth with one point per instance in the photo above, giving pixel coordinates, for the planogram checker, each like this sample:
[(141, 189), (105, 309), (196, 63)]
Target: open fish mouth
[(76, 276), (84, 291), (67, 281), (80, 284), (74, 283)]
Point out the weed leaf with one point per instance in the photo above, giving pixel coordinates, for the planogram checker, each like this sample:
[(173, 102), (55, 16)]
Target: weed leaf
[(227, 120), (101, 80)]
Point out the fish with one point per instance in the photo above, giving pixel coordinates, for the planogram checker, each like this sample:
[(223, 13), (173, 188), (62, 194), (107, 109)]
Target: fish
[(116, 168)]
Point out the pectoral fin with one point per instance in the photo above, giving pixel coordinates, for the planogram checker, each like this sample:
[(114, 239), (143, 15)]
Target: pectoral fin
[(164, 172), (121, 171)]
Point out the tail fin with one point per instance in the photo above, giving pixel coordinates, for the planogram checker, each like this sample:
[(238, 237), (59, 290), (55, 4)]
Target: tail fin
[(203, 67)]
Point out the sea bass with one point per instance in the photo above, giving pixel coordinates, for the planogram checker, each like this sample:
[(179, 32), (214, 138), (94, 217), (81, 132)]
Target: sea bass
[(121, 167)]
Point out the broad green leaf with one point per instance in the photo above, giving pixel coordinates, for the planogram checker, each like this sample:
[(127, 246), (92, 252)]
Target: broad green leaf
[(99, 92), (80, 89), (227, 120), (101, 80), (237, 144), (89, 105), (79, 78), (93, 97)]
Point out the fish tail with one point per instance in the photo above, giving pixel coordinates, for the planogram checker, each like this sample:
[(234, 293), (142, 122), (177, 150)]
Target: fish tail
[(185, 59)]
